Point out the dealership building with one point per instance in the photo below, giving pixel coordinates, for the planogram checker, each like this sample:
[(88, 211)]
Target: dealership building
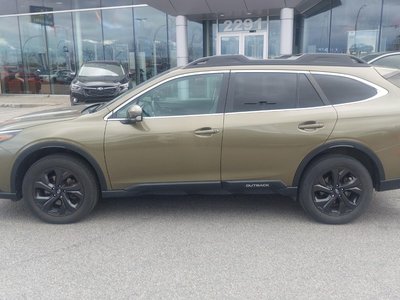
[(41, 41)]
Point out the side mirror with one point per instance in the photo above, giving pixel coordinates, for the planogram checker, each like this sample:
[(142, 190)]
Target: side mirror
[(135, 114)]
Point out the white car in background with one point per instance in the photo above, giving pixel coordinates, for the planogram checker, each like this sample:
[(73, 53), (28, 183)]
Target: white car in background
[(384, 59)]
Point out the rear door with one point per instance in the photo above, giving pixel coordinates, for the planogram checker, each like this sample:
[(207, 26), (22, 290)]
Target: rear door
[(273, 120)]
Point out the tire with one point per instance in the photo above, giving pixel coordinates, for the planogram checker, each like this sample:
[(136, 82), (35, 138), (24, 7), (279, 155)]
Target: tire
[(60, 189), (335, 189)]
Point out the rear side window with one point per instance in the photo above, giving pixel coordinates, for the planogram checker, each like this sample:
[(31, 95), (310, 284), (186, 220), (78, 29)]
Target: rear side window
[(271, 91), (339, 89)]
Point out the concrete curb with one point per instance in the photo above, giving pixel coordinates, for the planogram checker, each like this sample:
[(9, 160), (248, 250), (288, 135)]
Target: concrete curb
[(31, 101), (26, 105)]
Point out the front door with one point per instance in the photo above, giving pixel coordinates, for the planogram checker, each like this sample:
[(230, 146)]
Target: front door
[(251, 44), (179, 139)]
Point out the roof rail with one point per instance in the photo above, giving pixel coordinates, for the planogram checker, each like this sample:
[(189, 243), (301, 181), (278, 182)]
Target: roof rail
[(323, 59)]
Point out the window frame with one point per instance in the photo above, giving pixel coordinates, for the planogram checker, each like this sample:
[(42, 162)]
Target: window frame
[(221, 98)]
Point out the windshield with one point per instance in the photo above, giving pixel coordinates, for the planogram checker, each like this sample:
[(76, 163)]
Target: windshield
[(370, 56), (99, 69)]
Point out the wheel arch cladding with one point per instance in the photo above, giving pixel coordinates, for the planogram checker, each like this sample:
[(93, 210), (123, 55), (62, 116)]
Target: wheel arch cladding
[(32, 154), (357, 151)]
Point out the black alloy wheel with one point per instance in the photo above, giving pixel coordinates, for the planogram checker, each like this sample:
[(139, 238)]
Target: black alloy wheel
[(60, 189), (335, 189)]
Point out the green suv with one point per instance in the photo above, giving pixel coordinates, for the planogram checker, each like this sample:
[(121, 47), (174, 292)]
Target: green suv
[(324, 129)]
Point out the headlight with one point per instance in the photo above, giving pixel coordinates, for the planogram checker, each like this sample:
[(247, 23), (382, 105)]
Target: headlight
[(75, 87), (7, 135), (124, 86)]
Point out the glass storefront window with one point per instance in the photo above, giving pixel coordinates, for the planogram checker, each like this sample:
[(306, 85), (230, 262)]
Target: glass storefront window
[(195, 40), (274, 37), (355, 27), (390, 38), (151, 42), (316, 33), (34, 57), (118, 37), (10, 56), (61, 53), (172, 41), (88, 36)]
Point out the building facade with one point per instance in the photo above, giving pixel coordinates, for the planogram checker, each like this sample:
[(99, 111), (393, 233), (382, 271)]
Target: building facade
[(43, 41)]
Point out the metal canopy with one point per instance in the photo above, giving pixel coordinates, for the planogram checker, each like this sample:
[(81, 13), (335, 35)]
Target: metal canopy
[(211, 9)]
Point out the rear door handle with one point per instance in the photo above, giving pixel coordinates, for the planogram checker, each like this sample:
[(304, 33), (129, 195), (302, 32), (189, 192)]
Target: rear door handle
[(310, 125), (206, 131)]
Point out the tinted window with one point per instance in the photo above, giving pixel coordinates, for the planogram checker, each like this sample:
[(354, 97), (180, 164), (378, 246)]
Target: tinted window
[(262, 91), (392, 61), (341, 89), (308, 97), (191, 95)]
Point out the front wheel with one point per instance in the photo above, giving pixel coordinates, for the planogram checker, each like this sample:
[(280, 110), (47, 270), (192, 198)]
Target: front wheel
[(60, 189), (335, 189)]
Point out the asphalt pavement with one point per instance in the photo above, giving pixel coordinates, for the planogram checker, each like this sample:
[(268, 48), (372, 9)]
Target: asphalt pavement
[(200, 247)]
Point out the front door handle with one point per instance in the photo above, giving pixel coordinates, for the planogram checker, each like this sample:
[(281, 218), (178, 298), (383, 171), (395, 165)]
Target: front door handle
[(206, 131), (310, 125)]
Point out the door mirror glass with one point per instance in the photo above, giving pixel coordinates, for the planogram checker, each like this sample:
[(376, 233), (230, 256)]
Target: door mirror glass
[(135, 114)]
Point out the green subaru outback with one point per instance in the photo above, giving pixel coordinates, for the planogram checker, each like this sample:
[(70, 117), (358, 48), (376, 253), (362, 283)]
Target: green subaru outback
[(324, 129)]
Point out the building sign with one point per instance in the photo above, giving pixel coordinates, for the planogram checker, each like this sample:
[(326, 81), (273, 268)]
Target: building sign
[(44, 19), (242, 25)]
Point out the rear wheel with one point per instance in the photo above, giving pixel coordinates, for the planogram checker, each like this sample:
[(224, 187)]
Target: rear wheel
[(335, 189), (60, 189)]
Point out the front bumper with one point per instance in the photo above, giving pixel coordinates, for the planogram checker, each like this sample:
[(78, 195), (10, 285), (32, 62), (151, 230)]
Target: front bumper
[(82, 98)]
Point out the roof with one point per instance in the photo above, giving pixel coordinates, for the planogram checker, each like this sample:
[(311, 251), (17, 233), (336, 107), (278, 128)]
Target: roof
[(325, 59)]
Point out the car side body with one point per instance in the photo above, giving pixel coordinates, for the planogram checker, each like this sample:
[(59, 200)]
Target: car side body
[(214, 144)]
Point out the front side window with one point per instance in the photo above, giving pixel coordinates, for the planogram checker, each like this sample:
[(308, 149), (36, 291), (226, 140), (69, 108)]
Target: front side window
[(190, 95), (340, 89)]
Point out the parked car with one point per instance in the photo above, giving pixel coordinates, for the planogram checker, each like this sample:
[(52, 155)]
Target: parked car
[(99, 81), (323, 129), (384, 59), (64, 76), (46, 76), (360, 48)]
